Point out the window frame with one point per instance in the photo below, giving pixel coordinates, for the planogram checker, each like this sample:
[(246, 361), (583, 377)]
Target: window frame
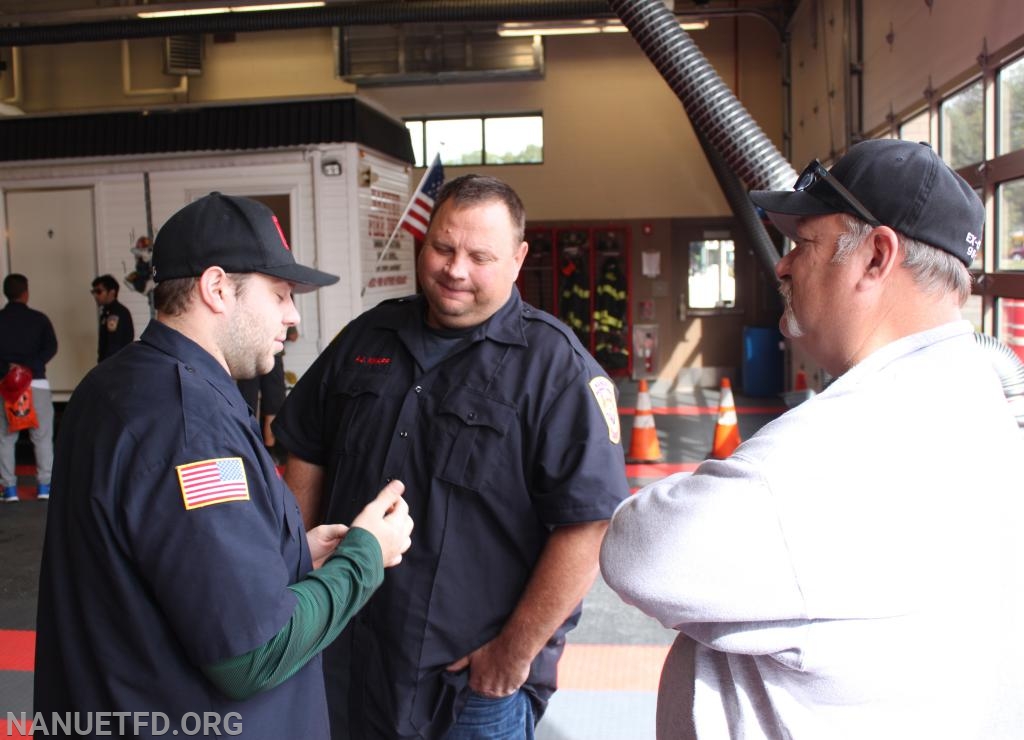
[(991, 280), (428, 154)]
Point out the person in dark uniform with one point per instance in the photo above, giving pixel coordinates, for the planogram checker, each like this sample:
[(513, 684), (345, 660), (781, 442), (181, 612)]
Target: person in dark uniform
[(116, 328), (264, 395), (507, 435), (177, 582)]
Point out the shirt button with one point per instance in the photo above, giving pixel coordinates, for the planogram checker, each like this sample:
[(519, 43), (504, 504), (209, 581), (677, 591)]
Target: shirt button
[(403, 435), (418, 389), (388, 480), (471, 415), (188, 368)]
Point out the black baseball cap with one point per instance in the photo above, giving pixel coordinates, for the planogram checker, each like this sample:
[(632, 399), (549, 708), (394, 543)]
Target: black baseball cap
[(238, 234), (905, 185)]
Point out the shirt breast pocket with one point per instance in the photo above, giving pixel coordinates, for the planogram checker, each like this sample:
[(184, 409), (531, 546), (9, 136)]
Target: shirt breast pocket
[(483, 445), (356, 402)]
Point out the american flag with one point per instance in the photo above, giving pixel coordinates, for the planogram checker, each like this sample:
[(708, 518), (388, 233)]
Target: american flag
[(213, 482), (417, 215)]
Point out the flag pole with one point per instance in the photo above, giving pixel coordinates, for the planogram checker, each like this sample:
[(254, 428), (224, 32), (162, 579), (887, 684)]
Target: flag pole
[(384, 249), (394, 232)]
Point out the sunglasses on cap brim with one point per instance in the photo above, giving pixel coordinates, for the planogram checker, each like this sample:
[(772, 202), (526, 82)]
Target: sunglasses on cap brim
[(815, 172)]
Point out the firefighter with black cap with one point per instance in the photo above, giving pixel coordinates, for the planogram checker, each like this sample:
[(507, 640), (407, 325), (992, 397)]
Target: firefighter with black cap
[(178, 585)]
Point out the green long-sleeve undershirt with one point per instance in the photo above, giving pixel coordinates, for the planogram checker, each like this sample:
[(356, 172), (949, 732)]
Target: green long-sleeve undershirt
[(327, 599)]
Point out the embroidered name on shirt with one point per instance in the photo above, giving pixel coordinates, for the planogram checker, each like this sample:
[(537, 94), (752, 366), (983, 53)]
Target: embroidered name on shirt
[(364, 360), (215, 481)]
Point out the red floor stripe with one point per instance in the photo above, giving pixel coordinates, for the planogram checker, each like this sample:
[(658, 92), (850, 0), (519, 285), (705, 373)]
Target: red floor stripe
[(702, 410), (611, 667), (17, 650), (658, 470), (14, 729)]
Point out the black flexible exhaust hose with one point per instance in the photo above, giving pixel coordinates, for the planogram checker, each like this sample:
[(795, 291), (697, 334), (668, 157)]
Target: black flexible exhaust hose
[(1010, 370), (735, 146), (712, 107)]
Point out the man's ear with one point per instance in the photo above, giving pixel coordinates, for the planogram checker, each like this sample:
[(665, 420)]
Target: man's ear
[(883, 256), (520, 254), (215, 289)]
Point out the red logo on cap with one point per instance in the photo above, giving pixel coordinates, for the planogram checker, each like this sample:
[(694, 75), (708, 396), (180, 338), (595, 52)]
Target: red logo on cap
[(280, 233)]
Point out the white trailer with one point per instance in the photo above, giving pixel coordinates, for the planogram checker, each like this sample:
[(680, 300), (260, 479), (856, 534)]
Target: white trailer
[(67, 220)]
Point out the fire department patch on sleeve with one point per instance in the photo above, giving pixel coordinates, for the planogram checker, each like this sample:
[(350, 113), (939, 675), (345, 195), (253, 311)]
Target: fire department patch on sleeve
[(604, 392), (214, 481)]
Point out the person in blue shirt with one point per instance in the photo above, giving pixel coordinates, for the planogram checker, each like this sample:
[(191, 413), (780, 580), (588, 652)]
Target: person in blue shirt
[(177, 582), (507, 434)]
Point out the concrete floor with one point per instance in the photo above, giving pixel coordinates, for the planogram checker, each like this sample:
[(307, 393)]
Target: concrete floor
[(608, 676)]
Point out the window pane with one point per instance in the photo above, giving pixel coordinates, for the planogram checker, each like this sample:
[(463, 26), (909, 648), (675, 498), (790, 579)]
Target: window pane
[(978, 263), (514, 140), (416, 137), (460, 140), (1010, 220), (917, 128), (972, 311), (1011, 107), (962, 127), (1011, 324), (712, 281)]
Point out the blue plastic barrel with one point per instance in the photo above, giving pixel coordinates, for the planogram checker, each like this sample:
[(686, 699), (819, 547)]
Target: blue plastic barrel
[(762, 370)]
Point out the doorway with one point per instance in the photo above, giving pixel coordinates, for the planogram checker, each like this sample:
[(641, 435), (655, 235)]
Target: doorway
[(51, 240)]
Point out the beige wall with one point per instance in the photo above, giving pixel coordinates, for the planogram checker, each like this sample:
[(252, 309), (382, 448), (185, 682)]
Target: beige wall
[(617, 141), (88, 76)]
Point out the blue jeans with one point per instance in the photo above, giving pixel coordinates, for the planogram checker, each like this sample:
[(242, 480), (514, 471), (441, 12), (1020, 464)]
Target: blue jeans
[(483, 718)]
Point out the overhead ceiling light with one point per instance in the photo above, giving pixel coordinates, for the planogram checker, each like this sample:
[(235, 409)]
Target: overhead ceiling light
[(275, 6), (569, 28), (184, 12), (229, 9)]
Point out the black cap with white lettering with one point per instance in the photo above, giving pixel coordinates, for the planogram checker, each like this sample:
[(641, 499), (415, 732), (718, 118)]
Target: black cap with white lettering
[(904, 184)]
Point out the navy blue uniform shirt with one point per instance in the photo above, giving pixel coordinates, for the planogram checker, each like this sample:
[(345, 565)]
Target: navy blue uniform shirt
[(513, 434), (116, 329), (26, 337), (154, 566)]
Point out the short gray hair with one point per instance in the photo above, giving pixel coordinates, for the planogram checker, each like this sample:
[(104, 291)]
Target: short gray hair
[(934, 270)]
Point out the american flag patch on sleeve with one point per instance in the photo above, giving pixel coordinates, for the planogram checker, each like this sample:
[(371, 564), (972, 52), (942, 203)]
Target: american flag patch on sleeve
[(213, 482)]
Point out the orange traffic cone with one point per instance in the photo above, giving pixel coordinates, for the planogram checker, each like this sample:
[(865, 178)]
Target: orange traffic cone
[(727, 433), (643, 446), (800, 383)]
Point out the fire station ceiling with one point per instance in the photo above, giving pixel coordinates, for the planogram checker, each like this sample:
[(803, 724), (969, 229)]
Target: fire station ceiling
[(65, 14)]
